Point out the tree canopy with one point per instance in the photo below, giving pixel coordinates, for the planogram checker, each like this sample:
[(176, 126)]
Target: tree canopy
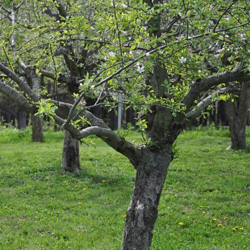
[(166, 59)]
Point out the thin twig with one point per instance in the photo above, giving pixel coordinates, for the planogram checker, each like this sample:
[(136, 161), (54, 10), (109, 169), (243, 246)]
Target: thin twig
[(226, 10)]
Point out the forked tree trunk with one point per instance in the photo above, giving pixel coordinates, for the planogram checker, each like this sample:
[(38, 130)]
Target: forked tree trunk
[(37, 128), (237, 112), (143, 210), (70, 156)]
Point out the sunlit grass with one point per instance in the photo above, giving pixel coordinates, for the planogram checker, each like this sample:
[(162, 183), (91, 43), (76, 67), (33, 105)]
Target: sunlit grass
[(205, 203)]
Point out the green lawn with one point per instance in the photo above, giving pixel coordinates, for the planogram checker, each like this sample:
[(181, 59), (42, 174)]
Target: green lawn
[(205, 203)]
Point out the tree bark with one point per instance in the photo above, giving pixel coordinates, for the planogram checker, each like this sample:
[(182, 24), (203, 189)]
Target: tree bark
[(237, 126), (21, 119), (238, 135), (70, 155), (37, 128), (143, 210), (237, 116)]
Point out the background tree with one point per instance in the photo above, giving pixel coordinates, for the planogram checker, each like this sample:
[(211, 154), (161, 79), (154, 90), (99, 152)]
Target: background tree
[(237, 109), (50, 43)]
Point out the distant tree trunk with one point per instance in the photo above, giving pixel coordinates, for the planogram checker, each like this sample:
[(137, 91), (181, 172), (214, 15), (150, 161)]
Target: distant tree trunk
[(37, 128), (237, 117), (21, 119), (238, 134), (70, 156)]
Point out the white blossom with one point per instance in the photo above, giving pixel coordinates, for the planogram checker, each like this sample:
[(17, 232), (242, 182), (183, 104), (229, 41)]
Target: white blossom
[(140, 68), (243, 36), (112, 54), (183, 59), (221, 50)]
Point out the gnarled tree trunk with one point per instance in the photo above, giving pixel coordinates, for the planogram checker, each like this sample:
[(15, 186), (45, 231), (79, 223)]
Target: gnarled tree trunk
[(237, 116), (143, 210), (70, 155), (37, 128)]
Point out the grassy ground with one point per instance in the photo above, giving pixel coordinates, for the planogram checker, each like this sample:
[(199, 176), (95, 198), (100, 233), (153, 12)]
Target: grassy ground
[(205, 203)]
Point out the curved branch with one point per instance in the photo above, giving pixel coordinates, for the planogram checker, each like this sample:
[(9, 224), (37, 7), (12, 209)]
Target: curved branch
[(207, 101), (16, 97), (101, 130), (20, 83), (204, 84), (117, 142)]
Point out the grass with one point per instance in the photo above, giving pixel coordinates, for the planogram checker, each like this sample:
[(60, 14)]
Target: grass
[(205, 203)]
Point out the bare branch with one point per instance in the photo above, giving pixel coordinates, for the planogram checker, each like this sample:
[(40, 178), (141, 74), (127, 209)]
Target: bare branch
[(15, 96), (47, 74), (57, 94), (206, 83), (19, 5), (117, 142), (100, 129), (6, 10), (30, 71), (208, 100), (20, 83), (171, 24)]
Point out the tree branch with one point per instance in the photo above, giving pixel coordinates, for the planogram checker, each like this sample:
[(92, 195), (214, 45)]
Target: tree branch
[(101, 130), (115, 141), (6, 10), (207, 101), (20, 83), (61, 78), (16, 97), (226, 10), (206, 83), (19, 5)]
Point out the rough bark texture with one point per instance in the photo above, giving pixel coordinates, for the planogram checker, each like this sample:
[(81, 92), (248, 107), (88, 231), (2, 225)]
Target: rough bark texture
[(237, 116), (37, 128), (143, 210), (70, 155)]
